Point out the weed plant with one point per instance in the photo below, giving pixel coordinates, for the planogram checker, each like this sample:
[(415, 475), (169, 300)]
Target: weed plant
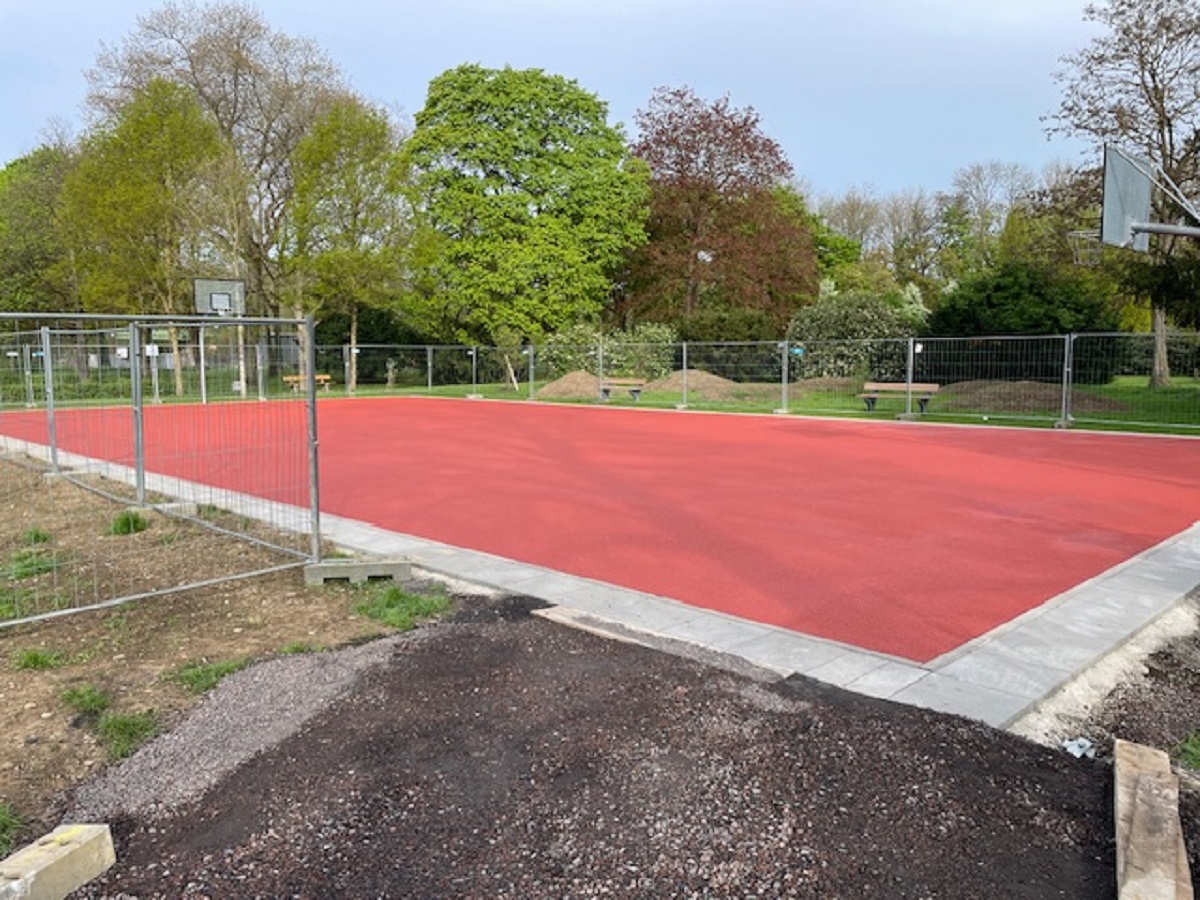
[(30, 563), (37, 659), (1188, 751), (127, 521), (11, 825), (200, 677), (122, 733), (88, 700), (36, 535)]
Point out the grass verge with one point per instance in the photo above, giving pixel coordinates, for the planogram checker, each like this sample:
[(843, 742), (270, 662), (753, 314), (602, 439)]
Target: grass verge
[(400, 609)]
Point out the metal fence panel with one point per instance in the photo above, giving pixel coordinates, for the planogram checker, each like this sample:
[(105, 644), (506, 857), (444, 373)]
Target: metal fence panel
[(1115, 388), (162, 423)]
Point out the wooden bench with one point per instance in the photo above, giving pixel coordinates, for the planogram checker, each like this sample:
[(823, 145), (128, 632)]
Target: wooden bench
[(296, 382), (633, 385), (873, 390)]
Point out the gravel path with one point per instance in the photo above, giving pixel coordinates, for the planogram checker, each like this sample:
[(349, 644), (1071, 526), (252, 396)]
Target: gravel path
[(505, 756)]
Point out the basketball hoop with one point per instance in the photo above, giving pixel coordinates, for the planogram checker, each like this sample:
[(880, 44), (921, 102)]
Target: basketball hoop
[(1086, 247)]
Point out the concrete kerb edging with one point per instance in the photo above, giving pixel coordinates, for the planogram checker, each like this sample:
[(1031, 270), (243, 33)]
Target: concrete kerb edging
[(61, 862)]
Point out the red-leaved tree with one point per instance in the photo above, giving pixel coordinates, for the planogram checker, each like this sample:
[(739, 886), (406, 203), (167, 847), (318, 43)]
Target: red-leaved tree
[(726, 230)]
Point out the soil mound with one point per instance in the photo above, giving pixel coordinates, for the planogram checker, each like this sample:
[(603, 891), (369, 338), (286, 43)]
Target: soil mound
[(703, 385), (1019, 397), (572, 386)]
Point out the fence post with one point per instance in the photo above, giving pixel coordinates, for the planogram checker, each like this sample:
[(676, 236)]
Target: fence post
[(783, 378), (685, 370), (260, 363), (203, 370), (346, 367), (532, 366), (48, 376), (909, 378), (1064, 418), (314, 484), (137, 404), (429, 367), (600, 369), (27, 366)]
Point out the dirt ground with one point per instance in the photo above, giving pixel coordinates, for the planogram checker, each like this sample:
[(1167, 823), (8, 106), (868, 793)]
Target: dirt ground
[(501, 755)]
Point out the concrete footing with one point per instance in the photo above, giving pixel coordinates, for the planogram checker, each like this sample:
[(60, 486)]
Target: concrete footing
[(1151, 858), (357, 571), (61, 862)]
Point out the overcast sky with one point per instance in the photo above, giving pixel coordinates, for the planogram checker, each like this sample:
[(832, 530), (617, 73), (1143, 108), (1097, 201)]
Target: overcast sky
[(886, 94)]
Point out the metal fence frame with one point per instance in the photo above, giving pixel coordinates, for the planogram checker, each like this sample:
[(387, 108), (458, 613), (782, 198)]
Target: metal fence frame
[(1050, 379), (122, 349)]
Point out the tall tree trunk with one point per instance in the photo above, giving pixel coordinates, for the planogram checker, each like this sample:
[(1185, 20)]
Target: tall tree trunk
[(176, 360), (1160, 371)]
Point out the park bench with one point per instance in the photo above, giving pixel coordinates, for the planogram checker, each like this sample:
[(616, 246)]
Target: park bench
[(873, 390), (633, 385), (296, 382)]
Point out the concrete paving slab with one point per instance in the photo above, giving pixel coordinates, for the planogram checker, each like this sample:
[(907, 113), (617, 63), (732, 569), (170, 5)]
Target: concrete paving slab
[(1007, 672), (887, 680), (788, 652), (845, 668), (950, 695)]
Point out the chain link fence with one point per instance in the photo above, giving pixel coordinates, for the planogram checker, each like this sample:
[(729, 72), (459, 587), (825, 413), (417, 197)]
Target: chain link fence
[(1097, 380), (149, 455)]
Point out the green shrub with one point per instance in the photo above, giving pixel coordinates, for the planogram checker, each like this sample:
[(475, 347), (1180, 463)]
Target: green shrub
[(37, 659), (645, 351), (199, 677), (11, 825), (127, 521), (87, 700), (399, 609), (123, 733), (850, 336)]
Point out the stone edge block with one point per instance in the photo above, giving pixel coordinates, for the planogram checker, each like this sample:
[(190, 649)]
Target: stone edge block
[(1151, 857), (357, 571), (52, 867)]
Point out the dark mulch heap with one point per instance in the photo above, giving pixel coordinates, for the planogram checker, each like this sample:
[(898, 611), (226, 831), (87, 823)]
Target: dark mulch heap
[(504, 756)]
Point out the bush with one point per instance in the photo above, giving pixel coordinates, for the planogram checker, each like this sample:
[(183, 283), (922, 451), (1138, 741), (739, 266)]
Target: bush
[(644, 351), (850, 335)]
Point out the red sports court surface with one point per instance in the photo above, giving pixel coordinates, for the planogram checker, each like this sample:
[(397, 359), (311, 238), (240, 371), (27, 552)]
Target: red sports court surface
[(908, 539)]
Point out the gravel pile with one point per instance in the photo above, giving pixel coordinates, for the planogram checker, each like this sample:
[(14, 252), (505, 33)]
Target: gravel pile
[(248, 712)]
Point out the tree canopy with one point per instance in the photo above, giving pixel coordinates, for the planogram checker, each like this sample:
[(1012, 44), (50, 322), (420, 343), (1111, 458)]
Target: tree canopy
[(726, 231), (531, 197)]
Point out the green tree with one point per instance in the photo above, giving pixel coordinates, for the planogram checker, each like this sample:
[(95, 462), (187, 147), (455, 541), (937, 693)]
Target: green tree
[(36, 272), (1137, 84), (349, 217), (135, 240), (726, 228), (1021, 298), (262, 89), (530, 202)]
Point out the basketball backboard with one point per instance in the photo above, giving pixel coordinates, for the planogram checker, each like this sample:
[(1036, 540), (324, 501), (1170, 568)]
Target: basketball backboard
[(220, 297), (1127, 192)]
